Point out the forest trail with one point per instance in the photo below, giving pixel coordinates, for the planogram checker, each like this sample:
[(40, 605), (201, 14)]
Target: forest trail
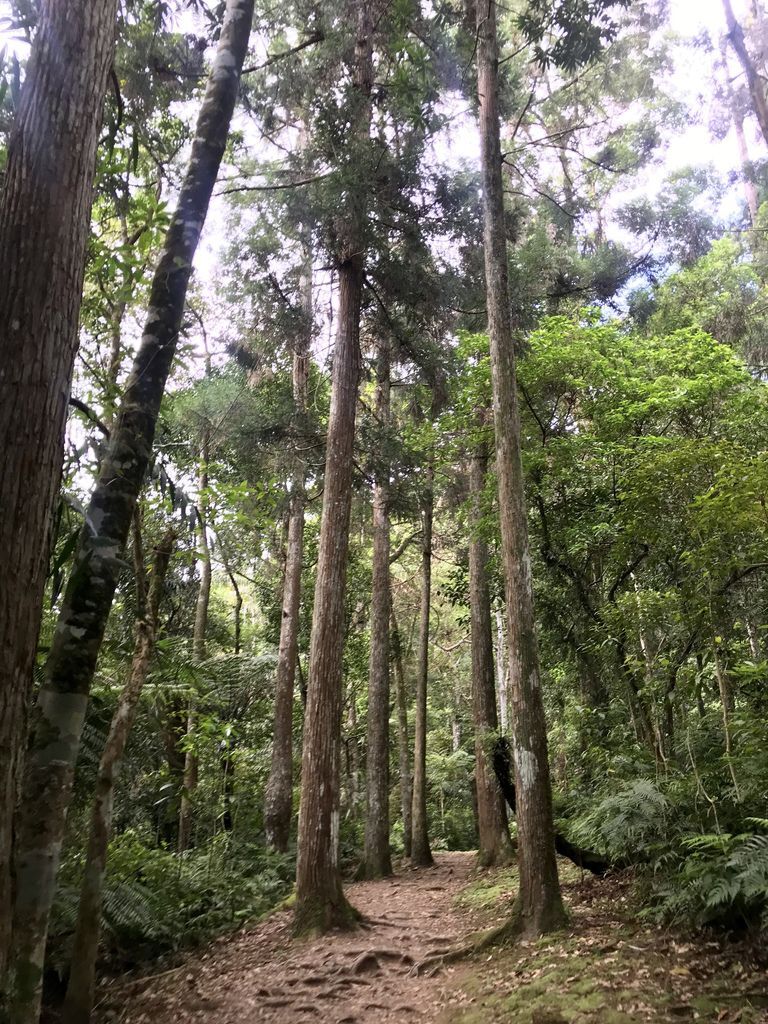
[(359, 977), (606, 968)]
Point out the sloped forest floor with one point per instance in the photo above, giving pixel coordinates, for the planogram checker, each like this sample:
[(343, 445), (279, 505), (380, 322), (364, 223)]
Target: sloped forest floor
[(607, 967)]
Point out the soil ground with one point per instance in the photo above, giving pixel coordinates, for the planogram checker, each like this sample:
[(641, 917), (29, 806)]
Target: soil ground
[(606, 968)]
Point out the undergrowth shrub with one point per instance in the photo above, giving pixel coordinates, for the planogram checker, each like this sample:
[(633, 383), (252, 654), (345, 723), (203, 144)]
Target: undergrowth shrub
[(694, 866), (722, 880), (156, 902)]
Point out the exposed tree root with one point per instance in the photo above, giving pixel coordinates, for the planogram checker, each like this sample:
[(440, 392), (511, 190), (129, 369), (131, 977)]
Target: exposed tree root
[(314, 918), (507, 932)]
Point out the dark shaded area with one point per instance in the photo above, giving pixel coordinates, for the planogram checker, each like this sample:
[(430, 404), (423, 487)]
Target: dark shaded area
[(586, 859)]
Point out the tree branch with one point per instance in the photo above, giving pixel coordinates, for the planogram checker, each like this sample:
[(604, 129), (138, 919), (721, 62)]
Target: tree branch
[(316, 37)]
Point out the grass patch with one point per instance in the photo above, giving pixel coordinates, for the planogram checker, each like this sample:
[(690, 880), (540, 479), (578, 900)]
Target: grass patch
[(606, 968), (489, 891)]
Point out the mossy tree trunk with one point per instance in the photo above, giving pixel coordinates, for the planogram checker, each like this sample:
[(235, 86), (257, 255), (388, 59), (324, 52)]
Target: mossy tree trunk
[(44, 224), (540, 908), (82, 978), (88, 596)]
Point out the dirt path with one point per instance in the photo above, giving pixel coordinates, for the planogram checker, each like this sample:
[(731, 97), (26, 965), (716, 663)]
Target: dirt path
[(359, 977), (607, 967)]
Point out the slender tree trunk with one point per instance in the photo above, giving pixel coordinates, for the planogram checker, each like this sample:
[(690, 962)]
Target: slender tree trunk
[(421, 855), (44, 223), (753, 636), (750, 189), (320, 901), (649, 661), (82, 979), (502, 673), (278, 798), (539, 902), (378, 861), (225, 758), (593, 689), (352, 744), (726, 699), (403, 745), (173, 726), (97, 564), (699, 685), (238, 611), (755, 83), (455, 733), (191, 758), (494, 844)]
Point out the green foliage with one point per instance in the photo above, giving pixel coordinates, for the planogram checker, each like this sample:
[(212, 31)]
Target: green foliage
[(628, 825), (720, 879), (645, 440), (579, 30), (156, 902)]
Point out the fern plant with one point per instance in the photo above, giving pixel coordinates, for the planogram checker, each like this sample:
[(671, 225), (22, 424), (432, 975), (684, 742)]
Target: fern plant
[(721, 879), (156, 902), (631, 825)]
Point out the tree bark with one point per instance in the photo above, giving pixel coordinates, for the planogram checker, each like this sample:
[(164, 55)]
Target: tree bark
[(378, 861), (501, 673), (494, 844), (755, 83), (238, 610), (320, 901), (403, 745), (82, 979), (278, 797), (421, 855), (539, 906), (97, 563), (44, 226), (352, 744)]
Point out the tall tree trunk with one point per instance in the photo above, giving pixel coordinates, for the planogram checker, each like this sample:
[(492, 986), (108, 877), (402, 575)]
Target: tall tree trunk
[(725, 690), (278, 797), (352, 744), (502, 673), (320, 901), (378, 861), (82, 979), (421, 855), (755, 83), (539, 902), (191, 759), (238, 610), (750, 189), (494, 844), (44, 223), (403, 745), (225, 756), (97, 564)]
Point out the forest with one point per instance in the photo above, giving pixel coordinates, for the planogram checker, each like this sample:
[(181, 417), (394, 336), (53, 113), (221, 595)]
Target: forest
[(384, 485)]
